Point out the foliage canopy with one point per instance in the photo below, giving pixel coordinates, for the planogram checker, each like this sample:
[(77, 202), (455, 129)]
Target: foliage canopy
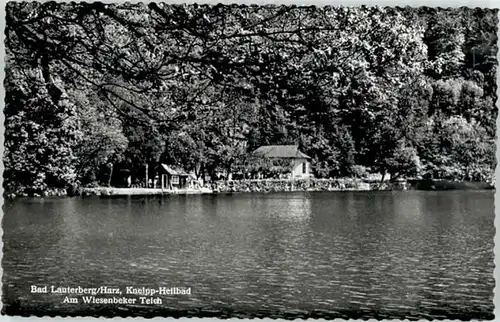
[(92, 87)]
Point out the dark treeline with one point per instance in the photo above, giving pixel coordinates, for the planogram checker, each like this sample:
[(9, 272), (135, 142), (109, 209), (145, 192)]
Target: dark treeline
[(95, 91)]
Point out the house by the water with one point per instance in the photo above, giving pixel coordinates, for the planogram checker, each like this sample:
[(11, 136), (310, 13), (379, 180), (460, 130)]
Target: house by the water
[(300, 162), (172, 177)]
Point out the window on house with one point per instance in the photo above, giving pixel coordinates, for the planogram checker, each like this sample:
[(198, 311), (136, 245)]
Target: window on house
[(175, 180), (304, 167)]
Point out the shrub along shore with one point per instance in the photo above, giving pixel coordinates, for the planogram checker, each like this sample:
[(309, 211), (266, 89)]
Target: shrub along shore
[(284, 185), (345, 184)]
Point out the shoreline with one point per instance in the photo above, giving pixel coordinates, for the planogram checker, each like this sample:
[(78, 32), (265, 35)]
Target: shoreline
[(344, 184), (271, 185)]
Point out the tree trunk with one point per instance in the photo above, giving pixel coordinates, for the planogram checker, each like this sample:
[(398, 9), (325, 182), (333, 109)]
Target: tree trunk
[(110, 175), (198, 170), (54, 91), (381, 179), (228, 172), (201, 173)]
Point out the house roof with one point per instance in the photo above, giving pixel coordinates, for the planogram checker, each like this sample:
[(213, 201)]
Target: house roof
[(280, 151), (174, 171)]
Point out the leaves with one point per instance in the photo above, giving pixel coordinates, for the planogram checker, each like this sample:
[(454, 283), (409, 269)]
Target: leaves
[(200, 86)]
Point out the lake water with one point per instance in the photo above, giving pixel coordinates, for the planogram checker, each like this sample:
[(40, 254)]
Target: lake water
[(407, 254)]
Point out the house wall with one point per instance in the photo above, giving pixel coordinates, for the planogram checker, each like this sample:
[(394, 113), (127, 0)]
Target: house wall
[(180, 182), (297, 168), (165, 181)]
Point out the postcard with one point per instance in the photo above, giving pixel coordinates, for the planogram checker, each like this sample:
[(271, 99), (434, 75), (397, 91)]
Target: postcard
[(239, 161)]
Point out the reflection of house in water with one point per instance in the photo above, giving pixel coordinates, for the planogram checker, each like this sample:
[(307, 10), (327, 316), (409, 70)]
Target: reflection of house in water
[(298, 209), (300, 162), (172, 177)]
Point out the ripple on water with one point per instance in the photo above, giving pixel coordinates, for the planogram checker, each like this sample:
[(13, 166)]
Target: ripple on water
[(414, 255)]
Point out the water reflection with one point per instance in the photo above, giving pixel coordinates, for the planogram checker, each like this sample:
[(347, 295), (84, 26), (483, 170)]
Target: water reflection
[(396, 254), (295, 208)]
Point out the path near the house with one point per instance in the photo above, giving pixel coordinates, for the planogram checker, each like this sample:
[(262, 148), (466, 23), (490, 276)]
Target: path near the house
[(110, 191)]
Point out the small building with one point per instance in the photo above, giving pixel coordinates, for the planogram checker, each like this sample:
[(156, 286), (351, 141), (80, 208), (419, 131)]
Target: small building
[(300, 162), (172, 177)]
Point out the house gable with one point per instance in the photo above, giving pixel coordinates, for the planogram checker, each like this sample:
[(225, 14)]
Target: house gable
[(280, 151), (299, 162)]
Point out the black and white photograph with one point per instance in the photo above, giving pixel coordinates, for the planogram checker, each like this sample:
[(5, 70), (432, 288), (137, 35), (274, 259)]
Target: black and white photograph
[(249, 161)]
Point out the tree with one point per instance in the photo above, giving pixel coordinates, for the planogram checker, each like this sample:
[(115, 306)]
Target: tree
[(186, 84), (102, 141), (461, 151), (40, 134)]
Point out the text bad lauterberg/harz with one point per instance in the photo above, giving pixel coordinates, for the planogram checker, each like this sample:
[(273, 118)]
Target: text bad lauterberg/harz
[(91, 292)]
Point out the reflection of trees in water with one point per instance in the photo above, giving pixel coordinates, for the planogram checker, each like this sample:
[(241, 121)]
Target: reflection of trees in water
[(276, 247), (436, 234), (33, 234), (401, 252)]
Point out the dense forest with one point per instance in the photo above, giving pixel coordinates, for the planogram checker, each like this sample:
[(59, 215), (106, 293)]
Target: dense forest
[(95, 92)]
